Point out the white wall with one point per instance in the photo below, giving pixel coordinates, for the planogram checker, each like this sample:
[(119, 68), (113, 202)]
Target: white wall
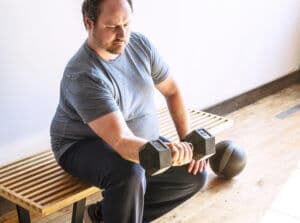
[(220, 49), (37, 39), (217, 49)]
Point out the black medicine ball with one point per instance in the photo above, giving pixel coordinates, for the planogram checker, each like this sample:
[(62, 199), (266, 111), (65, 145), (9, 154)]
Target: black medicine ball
[(229, 159)]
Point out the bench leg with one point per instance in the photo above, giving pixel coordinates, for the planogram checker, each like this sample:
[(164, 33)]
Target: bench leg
[(78, 211), (23, 215)]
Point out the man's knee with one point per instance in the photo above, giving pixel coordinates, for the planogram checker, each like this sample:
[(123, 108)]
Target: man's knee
[(200, 180), (134, 174), (196, 182), (130, 174)]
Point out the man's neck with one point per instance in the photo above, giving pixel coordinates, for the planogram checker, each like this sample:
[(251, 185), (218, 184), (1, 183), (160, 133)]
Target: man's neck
[(104, 54)]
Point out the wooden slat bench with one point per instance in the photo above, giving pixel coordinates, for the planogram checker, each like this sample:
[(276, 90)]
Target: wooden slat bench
[(38, 184)]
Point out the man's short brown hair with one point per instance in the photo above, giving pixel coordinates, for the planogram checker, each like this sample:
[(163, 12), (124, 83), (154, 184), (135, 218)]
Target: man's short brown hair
[(91, 9)]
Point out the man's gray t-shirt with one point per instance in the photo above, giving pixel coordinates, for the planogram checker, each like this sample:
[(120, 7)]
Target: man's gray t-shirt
[(92, 87)]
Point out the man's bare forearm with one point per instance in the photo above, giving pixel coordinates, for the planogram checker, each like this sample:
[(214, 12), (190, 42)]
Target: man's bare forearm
[(129, 146), (179, 114), (113, 129)]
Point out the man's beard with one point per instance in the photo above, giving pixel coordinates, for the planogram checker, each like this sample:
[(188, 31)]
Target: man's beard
[(115, 49), (111, 47)]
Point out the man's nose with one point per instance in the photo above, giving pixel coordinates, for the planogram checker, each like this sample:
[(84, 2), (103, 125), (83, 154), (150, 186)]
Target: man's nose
[(121, 31)]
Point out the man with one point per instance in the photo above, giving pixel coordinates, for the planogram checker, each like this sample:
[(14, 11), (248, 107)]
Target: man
[(106, 114)]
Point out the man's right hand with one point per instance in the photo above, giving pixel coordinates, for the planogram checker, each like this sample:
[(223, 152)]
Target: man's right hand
[(182, 153)]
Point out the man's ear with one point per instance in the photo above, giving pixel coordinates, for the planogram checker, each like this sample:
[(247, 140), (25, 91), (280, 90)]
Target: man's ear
[(88, 23)]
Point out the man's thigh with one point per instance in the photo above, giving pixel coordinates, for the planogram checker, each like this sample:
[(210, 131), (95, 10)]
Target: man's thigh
[(176, 183), (94, 161)]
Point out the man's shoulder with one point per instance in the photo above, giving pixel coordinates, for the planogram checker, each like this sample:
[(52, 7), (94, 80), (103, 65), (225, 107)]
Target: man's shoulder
[(81, 58), (139, 38), (137, 35), (82, 62)]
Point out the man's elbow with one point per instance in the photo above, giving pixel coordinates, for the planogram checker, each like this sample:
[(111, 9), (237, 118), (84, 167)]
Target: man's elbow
[(118, 143), (174, 93)]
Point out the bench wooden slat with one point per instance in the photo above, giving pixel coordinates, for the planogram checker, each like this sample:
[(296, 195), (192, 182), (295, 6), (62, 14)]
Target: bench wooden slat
[(38, 183), (58, 204), (219, 127), (19, 200), (203, 117), (14, 166), (205, 122), (20, 167), (162, 111), (46, 185), (49, 189), (208, 124), (55, 191), (197, 119), (47, 173), (19, 172), (28, 172), (62, 194), (213, 128), (216, 122)]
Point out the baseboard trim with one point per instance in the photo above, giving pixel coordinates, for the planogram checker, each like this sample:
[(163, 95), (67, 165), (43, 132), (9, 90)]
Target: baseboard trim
[(254, 95)]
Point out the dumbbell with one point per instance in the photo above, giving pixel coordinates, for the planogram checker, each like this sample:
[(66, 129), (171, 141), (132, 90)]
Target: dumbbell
[(155, 156)]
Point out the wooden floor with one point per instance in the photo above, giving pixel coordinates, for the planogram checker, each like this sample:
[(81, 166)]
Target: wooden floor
[(266, 191)]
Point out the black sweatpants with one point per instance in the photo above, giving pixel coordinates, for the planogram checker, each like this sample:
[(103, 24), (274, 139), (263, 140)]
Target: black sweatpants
[(129, 195)]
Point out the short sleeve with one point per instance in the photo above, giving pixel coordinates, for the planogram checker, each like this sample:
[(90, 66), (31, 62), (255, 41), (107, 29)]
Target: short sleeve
[(90, 98), (159, 68)]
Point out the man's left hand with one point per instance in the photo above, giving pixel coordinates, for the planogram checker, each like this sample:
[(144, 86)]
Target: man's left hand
[(196, 166)]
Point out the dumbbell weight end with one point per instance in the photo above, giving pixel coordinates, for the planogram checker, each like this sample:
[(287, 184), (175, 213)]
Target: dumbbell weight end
[(155, 157)]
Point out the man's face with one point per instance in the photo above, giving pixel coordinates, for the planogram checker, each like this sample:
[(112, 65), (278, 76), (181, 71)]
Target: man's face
[(111, 32)]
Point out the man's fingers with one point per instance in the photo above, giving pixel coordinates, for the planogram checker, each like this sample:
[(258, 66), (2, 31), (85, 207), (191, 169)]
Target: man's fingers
[(201, 166), (174, 153), (191, 165), (188, 152), (185, 153), (182, 153), (190, 149), (179, 159), (196, 167)]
